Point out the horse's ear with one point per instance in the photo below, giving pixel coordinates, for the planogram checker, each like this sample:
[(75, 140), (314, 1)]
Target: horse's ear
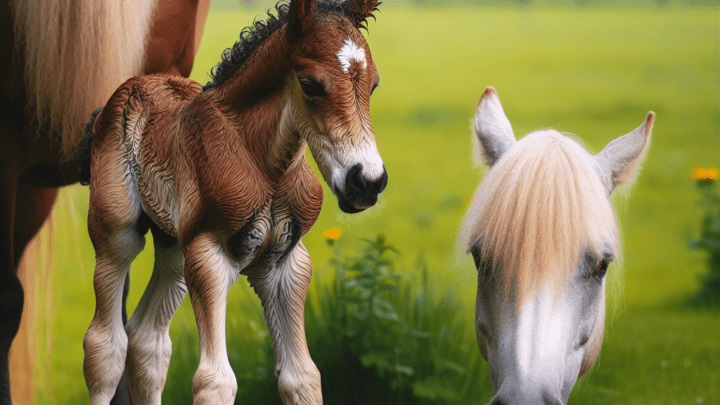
[(301, 19), (492, 128), (619, 160), (360, 10)]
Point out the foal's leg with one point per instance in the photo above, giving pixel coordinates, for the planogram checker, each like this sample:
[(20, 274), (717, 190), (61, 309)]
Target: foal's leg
[(113, 227), (209, 273), (122, 392), (149, 345), (283, 290)]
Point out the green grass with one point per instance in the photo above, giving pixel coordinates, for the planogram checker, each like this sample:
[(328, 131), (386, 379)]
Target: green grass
[(594, 72)]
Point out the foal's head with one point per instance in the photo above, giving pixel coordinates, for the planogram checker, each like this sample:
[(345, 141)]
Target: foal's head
[(333, 78), (542, 231)]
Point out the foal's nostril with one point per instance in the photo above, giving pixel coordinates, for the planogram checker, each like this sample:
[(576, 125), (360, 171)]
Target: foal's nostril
[(355, 181)]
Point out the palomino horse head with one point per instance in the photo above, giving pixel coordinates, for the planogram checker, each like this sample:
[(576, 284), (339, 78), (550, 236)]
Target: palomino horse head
[(542, 231), (334, 76)]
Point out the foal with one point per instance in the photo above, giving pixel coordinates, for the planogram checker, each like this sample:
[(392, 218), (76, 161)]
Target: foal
[(219, 176)]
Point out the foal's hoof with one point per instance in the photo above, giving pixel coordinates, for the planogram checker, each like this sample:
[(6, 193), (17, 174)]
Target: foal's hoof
[(300, 387), (214, 386)]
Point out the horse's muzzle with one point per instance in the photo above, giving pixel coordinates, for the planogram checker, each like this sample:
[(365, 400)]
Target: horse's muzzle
[(359, 192), (519, 395)]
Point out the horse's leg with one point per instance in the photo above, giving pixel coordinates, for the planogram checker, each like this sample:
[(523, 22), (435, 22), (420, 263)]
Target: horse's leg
[(11, 292), (282, 291), (149, 345), (208, 275), (113, 224), (32, 209)]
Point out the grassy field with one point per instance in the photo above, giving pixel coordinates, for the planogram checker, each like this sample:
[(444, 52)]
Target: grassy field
[(594, 72)]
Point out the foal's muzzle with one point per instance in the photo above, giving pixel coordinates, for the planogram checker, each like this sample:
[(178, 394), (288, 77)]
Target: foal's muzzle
[(359, 192)]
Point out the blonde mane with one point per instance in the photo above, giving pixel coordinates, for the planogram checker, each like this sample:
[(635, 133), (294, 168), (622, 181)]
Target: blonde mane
[(537, 211), (76, 54)]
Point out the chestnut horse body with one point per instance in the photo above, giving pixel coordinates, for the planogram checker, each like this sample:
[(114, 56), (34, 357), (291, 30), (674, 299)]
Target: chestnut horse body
[(63, 60), (219, 176)]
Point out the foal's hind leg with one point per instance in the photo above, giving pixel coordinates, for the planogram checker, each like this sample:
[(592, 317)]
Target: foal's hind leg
[(149, 345), (113, 227), (282, 291), (122, 392)]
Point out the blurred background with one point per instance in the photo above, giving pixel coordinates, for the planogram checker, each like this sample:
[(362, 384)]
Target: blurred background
[(389, 316)]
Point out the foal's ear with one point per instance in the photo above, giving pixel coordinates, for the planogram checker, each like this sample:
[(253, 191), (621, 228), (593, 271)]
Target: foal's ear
[(301, 19), (360, 10), (492, 128), (620, 159)]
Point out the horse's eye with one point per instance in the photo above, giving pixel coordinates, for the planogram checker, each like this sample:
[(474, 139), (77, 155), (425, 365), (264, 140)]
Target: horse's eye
[(374, 87), (312, 88), (602, 268)]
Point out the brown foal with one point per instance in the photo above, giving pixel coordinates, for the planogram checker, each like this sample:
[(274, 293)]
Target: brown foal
[(219, 175)]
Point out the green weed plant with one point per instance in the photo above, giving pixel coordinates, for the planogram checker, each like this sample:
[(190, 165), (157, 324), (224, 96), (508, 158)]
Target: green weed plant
[(380, 337), (708, 295)]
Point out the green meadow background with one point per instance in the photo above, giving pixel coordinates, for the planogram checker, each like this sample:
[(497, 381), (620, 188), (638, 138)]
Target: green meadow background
[(589, 68)]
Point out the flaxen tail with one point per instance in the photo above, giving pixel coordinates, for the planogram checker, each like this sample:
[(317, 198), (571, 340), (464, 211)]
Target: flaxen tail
[(84, 155)]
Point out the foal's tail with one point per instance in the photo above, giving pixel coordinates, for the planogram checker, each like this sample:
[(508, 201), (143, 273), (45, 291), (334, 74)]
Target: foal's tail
[(84, 155)]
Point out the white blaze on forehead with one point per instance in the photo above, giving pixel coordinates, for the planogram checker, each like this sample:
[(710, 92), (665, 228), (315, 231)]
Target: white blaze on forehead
[(350, 52)]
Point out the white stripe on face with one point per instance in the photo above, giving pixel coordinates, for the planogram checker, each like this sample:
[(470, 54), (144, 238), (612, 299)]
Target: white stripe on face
[(540, 342), (350, 52)]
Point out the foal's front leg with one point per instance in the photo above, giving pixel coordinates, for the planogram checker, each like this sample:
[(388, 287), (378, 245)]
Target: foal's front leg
[(209, 273), (283, 290)]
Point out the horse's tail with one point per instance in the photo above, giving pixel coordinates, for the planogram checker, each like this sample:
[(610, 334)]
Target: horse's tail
[(76, 53), (85, 155)]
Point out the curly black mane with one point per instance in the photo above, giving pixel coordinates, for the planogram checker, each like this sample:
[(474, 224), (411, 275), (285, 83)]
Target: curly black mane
[(252, 36)]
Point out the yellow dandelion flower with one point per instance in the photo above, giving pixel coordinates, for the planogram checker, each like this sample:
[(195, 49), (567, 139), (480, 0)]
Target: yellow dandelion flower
[(332, 234), (709, 175)]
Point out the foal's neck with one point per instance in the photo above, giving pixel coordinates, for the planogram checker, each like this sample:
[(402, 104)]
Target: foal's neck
[(257, 102)]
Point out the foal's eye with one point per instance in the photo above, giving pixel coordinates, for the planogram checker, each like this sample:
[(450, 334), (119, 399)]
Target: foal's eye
[(311, 88)]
